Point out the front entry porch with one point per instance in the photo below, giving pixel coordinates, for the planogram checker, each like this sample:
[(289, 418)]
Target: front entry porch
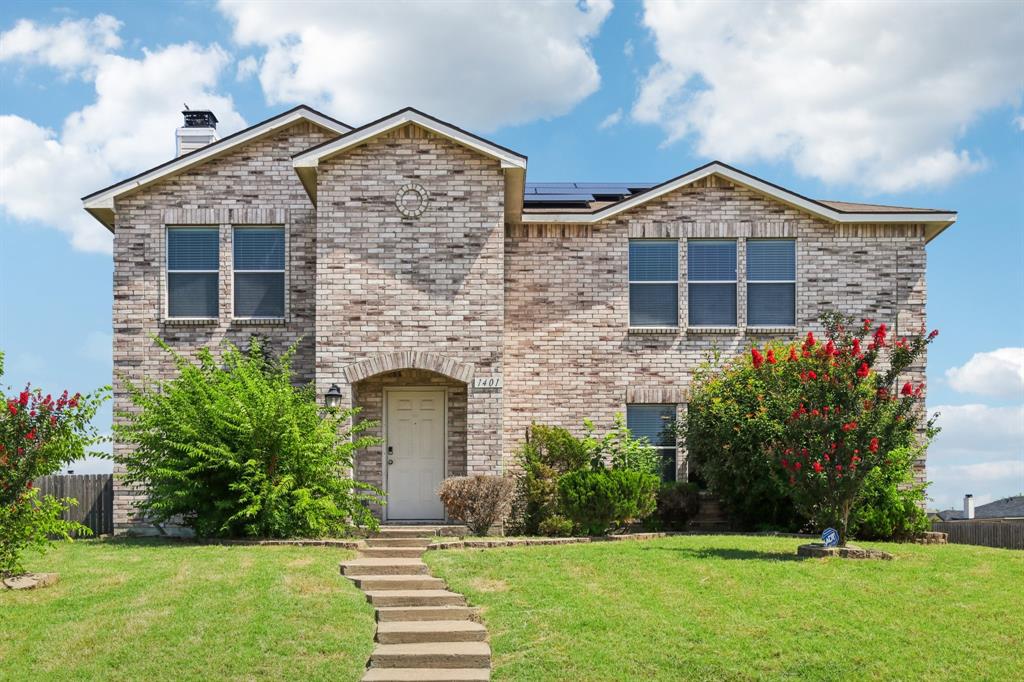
[(421, 419)]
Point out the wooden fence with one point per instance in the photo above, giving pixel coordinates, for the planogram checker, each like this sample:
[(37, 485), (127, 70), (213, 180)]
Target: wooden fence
[(1007, 534), (95, 495)]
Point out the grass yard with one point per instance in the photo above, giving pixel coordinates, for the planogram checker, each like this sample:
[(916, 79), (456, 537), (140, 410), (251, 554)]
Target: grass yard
[(738, 608), (151, 610)]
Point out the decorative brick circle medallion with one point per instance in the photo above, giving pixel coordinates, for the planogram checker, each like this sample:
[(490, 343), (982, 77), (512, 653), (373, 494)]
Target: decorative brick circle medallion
[(412, 200)]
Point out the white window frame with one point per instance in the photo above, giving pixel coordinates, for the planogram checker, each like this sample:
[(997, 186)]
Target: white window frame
[(168, 271), (650, 281), (771, 281), (735, 281), (283, 271)]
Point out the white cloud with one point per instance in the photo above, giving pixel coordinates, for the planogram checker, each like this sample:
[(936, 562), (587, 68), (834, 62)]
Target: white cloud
[(1020, 122), (69, 46), (998, 373), (980, 450), (874, 94), (610, 120), (247, 68), (128, 128), (479, 65)]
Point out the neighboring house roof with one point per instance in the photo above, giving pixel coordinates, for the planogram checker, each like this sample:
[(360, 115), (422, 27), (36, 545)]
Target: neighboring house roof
[(635, 195), (100, 204), (306, 162), (1006, 508)]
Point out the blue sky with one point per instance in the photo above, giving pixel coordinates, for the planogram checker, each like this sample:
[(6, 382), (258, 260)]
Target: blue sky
[(907, 104)]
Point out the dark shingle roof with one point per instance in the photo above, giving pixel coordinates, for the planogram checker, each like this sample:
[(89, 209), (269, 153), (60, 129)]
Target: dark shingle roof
[(1006, 508)]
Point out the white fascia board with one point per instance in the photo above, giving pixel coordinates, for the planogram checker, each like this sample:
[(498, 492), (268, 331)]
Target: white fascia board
[(106, 199), (311, 159), (782, 195)]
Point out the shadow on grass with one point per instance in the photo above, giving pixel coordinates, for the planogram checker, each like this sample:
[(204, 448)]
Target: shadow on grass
[(722, 553)]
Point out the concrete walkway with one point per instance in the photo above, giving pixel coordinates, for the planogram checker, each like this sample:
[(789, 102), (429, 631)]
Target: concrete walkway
[(424, 632)]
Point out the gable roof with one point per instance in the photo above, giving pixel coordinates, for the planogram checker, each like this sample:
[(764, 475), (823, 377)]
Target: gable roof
[(832, 211), (306, 162), (100, 204), (1006, 508)]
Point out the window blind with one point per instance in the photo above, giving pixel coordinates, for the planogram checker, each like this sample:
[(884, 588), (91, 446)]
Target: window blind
[(656, 423), (259, 262), (653, 283), (711, 275), (771, 282), (193, 261)]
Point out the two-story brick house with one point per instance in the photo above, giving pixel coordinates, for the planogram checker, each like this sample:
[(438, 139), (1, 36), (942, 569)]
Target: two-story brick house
[(434, 288)]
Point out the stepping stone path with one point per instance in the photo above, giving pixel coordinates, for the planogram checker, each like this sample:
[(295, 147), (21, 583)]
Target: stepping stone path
[(425, 633)]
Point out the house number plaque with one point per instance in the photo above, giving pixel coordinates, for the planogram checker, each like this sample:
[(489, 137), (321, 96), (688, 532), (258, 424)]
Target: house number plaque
[(486, 382)]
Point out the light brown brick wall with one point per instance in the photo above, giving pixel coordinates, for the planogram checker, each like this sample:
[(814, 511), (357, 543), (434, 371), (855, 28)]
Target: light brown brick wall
[(569, 354), (253, 185), (426, 285)]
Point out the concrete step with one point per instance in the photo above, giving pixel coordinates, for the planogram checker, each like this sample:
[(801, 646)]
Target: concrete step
[(392, 552), (432, 655), (398, 542), (390, 614), (415, 598), (417, 631), (427, 675), (420, 531), (383, 567), (374, 583)]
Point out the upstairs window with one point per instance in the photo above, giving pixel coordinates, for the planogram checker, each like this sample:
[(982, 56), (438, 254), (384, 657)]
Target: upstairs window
[(259, 272), (657, 423), (653, 283), (711, 275), (771, 282), (193, 260)]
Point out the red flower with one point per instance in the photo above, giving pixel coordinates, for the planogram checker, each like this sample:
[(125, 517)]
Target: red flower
[(867, 323), (797, 466), (12, 406), (53, 420), (830, 348), (856, 346), (817, 467), (873, 447), (23, 398), (810, 339), (31, 435), (919, 391), (792, 355), (758, 358), (933, 334), (839, 467), (850, 426), (785, 463), (771, 356), (863, 370), (907, 389), (811, 374), (880, 336)]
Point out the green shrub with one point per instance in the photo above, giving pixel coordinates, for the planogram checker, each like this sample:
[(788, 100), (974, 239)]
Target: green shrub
[(891, 505), (548, 453), (601, 499), (232, 448), (619, 449), (478, 501), (556, 526), (677, 503), (38, 436)]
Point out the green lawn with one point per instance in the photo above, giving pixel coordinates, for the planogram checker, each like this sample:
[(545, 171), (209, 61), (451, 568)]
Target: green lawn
[(150, 610), (738, 608)]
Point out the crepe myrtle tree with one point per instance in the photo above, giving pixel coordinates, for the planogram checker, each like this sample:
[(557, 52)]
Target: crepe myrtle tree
[(847, 412), (39, 434)]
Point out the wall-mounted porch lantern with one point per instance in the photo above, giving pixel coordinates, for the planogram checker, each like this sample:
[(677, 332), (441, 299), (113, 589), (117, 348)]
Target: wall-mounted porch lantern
[(333, 396)]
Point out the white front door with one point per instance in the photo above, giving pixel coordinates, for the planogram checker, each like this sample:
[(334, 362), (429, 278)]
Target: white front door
[(414, 454)]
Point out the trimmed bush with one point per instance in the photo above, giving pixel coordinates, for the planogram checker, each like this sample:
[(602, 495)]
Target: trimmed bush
[(556, 526), (478, 501), (598, 500), (677, 503)]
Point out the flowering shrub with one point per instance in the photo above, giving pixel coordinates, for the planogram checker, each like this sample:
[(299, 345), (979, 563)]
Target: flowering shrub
[(820, 428), (233, 448), (39, 434)]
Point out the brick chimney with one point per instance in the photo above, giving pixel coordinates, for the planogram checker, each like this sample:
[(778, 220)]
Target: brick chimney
[(968, 506), (200, 129)]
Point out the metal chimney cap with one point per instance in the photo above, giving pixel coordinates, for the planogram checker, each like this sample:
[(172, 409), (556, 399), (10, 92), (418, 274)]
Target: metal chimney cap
[(199, 118)]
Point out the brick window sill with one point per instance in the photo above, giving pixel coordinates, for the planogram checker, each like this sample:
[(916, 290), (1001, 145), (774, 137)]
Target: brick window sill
[(264, 321), (190, 321), (654, 330), (771, 330), (714, 330)]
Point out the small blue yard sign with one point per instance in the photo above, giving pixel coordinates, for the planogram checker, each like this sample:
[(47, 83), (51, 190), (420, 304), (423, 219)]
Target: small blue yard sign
[(830, 538)]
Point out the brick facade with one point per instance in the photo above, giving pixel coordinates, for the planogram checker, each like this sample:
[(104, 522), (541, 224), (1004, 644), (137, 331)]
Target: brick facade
[(379, 299)]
